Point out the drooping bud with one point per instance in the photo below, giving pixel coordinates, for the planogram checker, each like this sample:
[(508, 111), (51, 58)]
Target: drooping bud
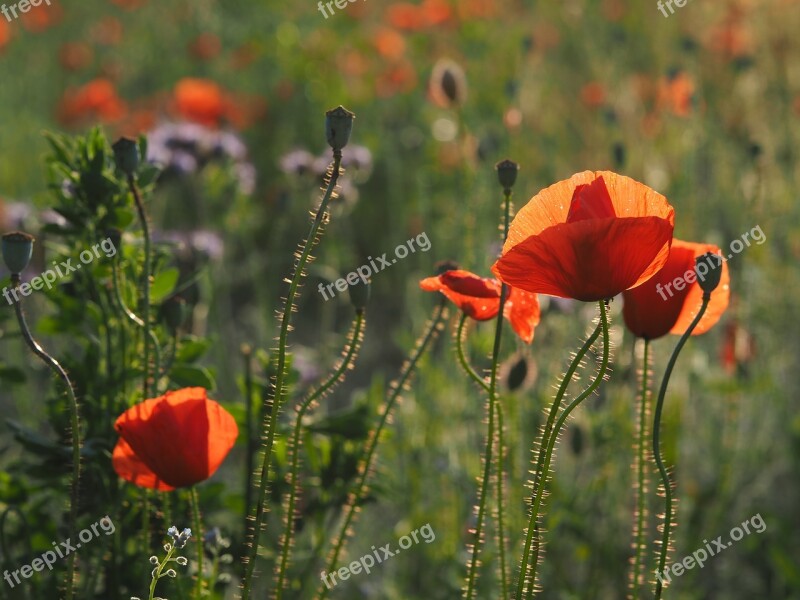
[(126, 155), (17, 251), (708, 268), (338, 127), (507, 173), (174, 312)]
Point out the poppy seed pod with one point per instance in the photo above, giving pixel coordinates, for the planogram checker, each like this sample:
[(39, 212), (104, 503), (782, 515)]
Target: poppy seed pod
[(338, 127), (126, 155), (448, 84), (507, 173), (17, 251), (709, 271)]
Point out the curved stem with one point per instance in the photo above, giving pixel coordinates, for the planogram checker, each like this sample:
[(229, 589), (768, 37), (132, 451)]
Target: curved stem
[(461, 335), (75, 433), (372, 444), (640, 467), (539, 475), (145, 284), (665, 480), (353, 345), (551, 443), (198, 533), (270, 425), (141, 323)]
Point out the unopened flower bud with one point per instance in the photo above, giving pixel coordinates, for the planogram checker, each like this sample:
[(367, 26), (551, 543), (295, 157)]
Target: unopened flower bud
[(126, 155), (338, 127), (17, 251), (708, 268), (174, 312), (445, 266), (359, 295), (507, 173)]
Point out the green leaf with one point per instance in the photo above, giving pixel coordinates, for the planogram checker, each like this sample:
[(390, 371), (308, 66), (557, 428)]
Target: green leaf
[(163, 285), (186, 376), (192, 349)]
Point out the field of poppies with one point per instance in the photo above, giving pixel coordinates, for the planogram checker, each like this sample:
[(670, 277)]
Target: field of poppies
[(414, 300)]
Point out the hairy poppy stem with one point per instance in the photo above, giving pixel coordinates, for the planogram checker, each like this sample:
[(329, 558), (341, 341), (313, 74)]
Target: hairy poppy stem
[(365, 465), (138, 321), (665, 479), (354, 338), (530, 557), (492, 435), (75, 432), (270, 424), (198, 534), (461, 336), (145, 286), (249, 442), (642, 481)]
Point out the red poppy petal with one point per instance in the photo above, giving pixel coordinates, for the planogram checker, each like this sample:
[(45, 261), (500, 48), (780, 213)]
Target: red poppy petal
[(588, 260), (591, 201), (551, 205), (132, 469), (522, 311), (469, 284)]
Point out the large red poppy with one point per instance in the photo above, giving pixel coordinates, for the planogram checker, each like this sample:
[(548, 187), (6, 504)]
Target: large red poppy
[(173, 441), (589, 237), (479, 298), (658, 307)]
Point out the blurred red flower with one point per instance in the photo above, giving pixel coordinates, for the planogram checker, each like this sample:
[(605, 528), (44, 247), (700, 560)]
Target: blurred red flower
[(479, 298), (74, 56), (42, 17), (413, 17), (5, 33), (97, 99), (200, 100), (676, 94), (175, 440), (658, 307), (205, 46), (593, 94), (589, 237)]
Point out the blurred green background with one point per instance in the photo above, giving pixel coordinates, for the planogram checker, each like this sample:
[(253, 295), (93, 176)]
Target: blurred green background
[(702, 106)]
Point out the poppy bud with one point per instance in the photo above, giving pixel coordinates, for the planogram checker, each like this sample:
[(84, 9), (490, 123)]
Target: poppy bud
[(17, 251), (708, 268), (445, 266), (338, 127), (126, 155), (173, 311), (448, 84), (359, 295), (507, 173)]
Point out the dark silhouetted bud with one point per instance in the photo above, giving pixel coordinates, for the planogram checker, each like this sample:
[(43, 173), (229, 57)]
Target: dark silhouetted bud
[(445, 266), (359, 295), (126, 155), (17, 251), (174, 312), (507, 173), (448, 84), (708, 268), (577, 441), (338, 127)]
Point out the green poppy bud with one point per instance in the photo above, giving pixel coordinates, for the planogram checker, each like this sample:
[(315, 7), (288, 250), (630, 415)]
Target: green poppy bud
[(359, 295), (338, 127), (126, 155), (507, 173), (17, 251), (708, 268)]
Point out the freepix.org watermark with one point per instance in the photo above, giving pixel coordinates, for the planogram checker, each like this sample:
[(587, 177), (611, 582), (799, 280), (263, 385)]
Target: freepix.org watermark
[(60, 550), (366, 562), (690, 276), (50, 276), (669, 3), (700, 556), (364, 272), (23, 6)]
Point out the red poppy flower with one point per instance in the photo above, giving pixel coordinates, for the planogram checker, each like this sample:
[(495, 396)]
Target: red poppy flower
[(589, 237), (173, 441), (668, 303), (479, 298), (97, 99), (200, 100)]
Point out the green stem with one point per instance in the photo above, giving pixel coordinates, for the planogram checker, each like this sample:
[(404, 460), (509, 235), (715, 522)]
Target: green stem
[(145, 283), (358, 491), (149, 334), (491, 436), (639, 545), (547, 449), (461, 335), (249, 445), (270, 424), (665, 480), (353, 345), (75, 433), (198, 535)]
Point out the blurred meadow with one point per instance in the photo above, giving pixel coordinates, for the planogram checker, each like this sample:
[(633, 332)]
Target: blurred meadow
[(703, 106)]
